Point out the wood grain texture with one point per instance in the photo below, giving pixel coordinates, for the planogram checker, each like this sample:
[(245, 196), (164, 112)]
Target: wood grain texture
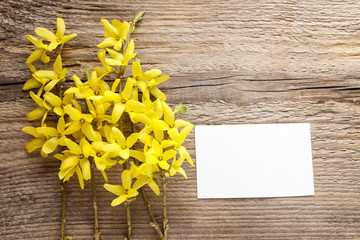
[(231, 62)]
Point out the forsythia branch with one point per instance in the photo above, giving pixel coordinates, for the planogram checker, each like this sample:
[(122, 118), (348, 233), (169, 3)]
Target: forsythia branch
[(90, 133)]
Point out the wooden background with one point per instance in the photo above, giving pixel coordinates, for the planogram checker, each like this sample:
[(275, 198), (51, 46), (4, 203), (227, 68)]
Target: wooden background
[(230, 62)]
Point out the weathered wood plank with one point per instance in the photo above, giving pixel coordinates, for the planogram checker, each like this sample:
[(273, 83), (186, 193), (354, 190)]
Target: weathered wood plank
[(231, 62)]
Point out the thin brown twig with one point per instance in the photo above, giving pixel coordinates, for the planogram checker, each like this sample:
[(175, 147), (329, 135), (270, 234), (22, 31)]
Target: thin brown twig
[(63, 210), (153, 221), (95, 205), (128, 220), (165, 219), (63, 184)]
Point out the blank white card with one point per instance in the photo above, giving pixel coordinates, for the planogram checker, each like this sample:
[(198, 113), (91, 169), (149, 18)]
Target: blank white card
[(254, 160)]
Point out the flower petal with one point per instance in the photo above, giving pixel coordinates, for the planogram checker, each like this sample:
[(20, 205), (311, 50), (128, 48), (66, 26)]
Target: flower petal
[(182, 172), (33, 40), (135, 106), (156, 92), (47, 131), (132, 193), (80, 177), (32, 131), (115, 85), (108, 42), (35, 55), (68, 37), (73, 113), (114, 54), (85, 166), (186, 155), (45, 34), (52, 99), (168, 113), (114, 147), (126, 179), (44, 76), (124, 153), (156, 147), (114, 62), (39, 101), (50, 145), (139, 155), (131, 140), (36, 113), (151, 74), (69, 162), (115, 189), (73, 147), (164, 165), (60, 24), (169, 154), (130, 83), (88, 130), (154, 187), (73, 127), (185, 131), (61, 125), (51, 85), (105, 176), (181, 123), (136, 69), (117, 112), (174, 135), (119, 136), (144, 89), (86, 148), (152, 159), (58, 65), (31, 83), (34, 144), (123, 28), (160, 80), (110, 29), (129, 52), (119, 200)]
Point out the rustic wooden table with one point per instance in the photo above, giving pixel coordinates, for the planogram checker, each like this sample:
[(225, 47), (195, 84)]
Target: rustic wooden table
[(230, 62)]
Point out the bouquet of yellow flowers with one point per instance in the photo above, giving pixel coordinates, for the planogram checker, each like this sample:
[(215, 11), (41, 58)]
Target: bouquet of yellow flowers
[(90, 134)]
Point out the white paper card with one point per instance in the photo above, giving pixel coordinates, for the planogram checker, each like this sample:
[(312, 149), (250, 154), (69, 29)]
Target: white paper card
[(254, 160)]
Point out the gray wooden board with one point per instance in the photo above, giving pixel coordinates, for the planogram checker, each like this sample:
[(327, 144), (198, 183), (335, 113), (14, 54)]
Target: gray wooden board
[(230, 62)]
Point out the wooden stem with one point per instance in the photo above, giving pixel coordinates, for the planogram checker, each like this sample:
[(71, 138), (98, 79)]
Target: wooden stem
[(165, 219), (63, 184), (128, 220), (153, 221), (63, 210), (95, 205)]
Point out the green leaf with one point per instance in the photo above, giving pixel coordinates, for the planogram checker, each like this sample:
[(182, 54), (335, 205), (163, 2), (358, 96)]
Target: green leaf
[(180, 109), (87, 74), (139, 16)]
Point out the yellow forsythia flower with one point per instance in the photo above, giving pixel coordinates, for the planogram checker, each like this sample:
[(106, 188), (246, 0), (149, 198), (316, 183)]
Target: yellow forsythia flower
[(58, 103), (40, 52), (116, 33), (55, 39), (121, 146), (118, 59), (156, 155), (39, 112), (125, 192), (51, 78), (80, 121), (75, 160)]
